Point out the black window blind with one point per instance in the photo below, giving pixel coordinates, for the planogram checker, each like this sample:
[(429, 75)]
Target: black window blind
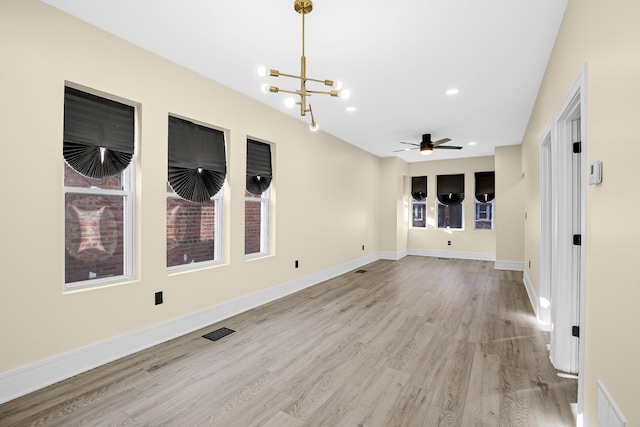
[(419, 188), (197, 160), (450, 189), (259, 173), (485, 186), (98, 134)]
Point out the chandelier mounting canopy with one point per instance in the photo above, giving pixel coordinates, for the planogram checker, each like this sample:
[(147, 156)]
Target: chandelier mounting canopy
[(303, 6)]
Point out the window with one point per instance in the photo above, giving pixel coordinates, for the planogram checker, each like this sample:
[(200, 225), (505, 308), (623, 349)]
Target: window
[(450, 189), (98, 149), (485, 193), (450, 216), (257, 198), (196, 170), (419, 201), (484, 216), (192, 228)]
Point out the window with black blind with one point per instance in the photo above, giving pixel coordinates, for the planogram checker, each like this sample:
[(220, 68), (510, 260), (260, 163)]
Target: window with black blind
[(450, 194), (419, 201), (98, 149), (257, 198), (485, 193), (196, 173), (197, 162)]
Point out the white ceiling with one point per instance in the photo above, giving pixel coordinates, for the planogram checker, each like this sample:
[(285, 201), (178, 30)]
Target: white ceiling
[(397, 58)]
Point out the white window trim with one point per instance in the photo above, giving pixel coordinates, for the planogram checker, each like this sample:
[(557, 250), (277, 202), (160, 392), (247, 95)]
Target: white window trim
[(449, 228), (128, 183), (265, 200), (218, 200)]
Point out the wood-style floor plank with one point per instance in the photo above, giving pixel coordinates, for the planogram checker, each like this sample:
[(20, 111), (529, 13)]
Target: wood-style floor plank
[(416, 342), (482, 407)]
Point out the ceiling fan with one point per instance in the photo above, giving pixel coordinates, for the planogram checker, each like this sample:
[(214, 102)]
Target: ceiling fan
[(427, 146)]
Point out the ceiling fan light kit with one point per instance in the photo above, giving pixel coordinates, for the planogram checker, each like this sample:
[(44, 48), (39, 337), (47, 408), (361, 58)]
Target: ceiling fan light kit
[(303, 7), (425, 149)]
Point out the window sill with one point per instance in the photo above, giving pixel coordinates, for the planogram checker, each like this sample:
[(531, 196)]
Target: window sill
[(258, 255), (91, 285), (188, 268)]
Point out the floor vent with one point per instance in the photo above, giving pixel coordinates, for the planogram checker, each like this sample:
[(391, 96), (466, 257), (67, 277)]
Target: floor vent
[(361, 271), (218, 333)]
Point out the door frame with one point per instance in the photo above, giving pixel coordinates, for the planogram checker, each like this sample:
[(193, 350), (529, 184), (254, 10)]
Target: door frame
[(567, 303), (546, 229)]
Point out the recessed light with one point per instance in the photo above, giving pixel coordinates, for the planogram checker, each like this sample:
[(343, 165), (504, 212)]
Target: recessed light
[(453, 91), (351, 109), (472, 143)]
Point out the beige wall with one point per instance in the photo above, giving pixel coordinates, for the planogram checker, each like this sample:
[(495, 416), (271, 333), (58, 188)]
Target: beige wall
[(325, 204), (605, 36), (467, 240), (509, 220), (393, 199)]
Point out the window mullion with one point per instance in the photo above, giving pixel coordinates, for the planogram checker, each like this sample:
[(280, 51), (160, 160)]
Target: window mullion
[(101, 191)]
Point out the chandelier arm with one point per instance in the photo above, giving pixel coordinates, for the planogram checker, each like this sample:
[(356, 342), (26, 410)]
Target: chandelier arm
[(295, 92), (324, 82), (290, 75), (331, 92), (313, 119)]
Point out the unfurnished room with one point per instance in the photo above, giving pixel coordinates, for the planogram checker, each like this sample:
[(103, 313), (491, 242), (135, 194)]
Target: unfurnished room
[(319, 213)]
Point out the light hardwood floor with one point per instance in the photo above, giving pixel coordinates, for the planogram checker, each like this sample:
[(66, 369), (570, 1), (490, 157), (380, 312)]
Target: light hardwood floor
[(416, 342)]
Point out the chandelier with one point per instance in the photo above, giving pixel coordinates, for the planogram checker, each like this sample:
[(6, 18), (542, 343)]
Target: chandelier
[(303, 7)]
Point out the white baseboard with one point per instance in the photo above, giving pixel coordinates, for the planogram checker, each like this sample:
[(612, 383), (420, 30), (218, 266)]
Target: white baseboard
[(394, 256), (509, 265), (532, 296), (478, 256), (535, 303), (23, 380)]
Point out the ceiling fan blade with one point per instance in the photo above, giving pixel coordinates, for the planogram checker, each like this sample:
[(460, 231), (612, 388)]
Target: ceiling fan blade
[(441, 141), (410, 143), (447, 147), (405, 149)]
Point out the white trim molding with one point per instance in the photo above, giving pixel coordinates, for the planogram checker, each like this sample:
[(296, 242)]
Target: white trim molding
[(535, 303), (26, 379), (509, 265), (532, 295), (478, 256), (393, 256)]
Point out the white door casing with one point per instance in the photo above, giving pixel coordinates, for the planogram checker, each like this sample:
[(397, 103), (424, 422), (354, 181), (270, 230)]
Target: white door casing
[(563, 212), (546, 229)]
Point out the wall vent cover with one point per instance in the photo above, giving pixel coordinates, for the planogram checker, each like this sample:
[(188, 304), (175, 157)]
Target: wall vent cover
[(606, 410), (218, 333)]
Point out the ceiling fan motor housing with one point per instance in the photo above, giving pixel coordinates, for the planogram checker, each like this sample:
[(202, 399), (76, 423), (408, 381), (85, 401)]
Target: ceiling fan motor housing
[(425, 144)]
